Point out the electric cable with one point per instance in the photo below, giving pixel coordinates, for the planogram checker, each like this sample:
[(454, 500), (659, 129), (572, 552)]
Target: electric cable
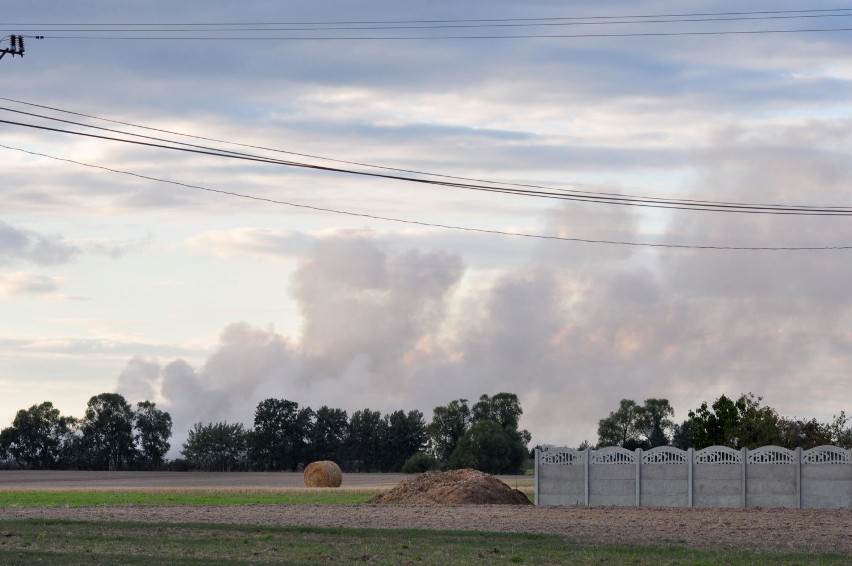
[(173, 28), (456, 37), (402, 170), (622, 201), (565, 195), (677, 15), (436, 225)]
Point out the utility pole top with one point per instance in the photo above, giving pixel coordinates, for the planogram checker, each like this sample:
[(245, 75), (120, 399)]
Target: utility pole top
[(16, 45)]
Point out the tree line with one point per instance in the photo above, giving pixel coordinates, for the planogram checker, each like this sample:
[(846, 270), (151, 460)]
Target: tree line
[(742, 423), (112, 435)]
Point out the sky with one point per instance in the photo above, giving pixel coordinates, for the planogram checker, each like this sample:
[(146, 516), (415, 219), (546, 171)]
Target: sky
[(207, 303)]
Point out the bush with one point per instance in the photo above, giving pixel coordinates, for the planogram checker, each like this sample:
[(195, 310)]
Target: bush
[(419, 463)]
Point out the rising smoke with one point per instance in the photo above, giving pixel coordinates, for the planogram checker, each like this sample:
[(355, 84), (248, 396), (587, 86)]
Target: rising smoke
[(576, 329)]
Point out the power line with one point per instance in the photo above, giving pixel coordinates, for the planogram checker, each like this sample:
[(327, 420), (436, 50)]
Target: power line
[(619, 200), (451, 37), (175, 28), (436, 225), (397, 169), (570, 18)]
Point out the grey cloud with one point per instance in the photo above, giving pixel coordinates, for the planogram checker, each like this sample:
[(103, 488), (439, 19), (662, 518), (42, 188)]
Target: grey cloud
[(572, 337), (350, 285), (137, 379), (573, 327), (19, 244)]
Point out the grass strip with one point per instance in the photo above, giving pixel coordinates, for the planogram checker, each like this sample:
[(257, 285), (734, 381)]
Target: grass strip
[(154, 497), (80, 542)]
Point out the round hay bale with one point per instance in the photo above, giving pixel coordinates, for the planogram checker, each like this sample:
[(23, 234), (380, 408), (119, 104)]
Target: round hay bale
[(324, 473)]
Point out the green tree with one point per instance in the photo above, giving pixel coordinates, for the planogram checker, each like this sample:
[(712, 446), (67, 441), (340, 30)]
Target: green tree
[(799, 433), (367, 432), (216, 447), (328, 435), (503, 408), (107, 433), (405, 435), (488, 447), (280, 435), (744, 423), (419, 463), (716, 427), (654, 421), (681, 435), (154, 428), (449, 423), (38, 437), (622, 427), (634, 426), (841, 435), (759, 425)]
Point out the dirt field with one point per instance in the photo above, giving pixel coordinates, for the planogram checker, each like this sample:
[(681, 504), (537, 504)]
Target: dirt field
[(59, 480), (753, 529)]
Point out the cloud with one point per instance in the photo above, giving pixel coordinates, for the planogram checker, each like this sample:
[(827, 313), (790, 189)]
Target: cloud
[(21, 283), (19, 244), (396, 319), (359, 299), (261, 242), (575, 327), (113, 248)]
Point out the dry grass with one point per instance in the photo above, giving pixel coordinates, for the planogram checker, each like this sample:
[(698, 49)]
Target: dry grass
[(324, 473)]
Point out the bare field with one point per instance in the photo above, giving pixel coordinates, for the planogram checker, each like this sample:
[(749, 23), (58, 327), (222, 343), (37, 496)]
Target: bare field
[(763, 530), (173, 481)]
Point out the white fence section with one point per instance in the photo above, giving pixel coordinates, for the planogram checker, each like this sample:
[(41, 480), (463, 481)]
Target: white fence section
[(717, 476)]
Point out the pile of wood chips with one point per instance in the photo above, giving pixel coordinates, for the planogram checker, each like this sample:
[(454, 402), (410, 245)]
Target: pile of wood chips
[(454, 487)]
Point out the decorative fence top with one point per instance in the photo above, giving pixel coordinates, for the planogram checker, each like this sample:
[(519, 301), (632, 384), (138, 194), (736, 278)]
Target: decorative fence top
[(710, 455), (563, 456), (827, 455), (771, 455), (718, 455), (613, 455), (665, 455)]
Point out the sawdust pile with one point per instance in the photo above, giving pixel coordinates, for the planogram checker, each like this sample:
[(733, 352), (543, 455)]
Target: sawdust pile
[(456, 486), (324, 473)]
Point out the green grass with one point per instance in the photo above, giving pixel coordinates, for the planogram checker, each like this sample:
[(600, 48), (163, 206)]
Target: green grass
[(70, 542), (81, 498)]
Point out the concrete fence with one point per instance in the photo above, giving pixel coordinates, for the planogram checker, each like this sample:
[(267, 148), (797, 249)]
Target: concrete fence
[(717, 476)]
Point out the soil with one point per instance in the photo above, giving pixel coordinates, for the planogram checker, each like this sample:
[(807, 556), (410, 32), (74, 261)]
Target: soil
[(762, 530), (455, 486)]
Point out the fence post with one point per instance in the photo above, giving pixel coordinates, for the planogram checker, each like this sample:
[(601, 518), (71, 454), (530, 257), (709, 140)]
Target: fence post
[(690, 456), (799, 475), (535, 474), (586, 475), (638, 457), (745, 475)]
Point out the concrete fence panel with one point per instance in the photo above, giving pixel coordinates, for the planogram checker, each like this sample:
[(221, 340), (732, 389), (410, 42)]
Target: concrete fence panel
[(612, 477), (718, 477), (565, 480), (827, 477), (769, 476), (664, 478), (772, 477)]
